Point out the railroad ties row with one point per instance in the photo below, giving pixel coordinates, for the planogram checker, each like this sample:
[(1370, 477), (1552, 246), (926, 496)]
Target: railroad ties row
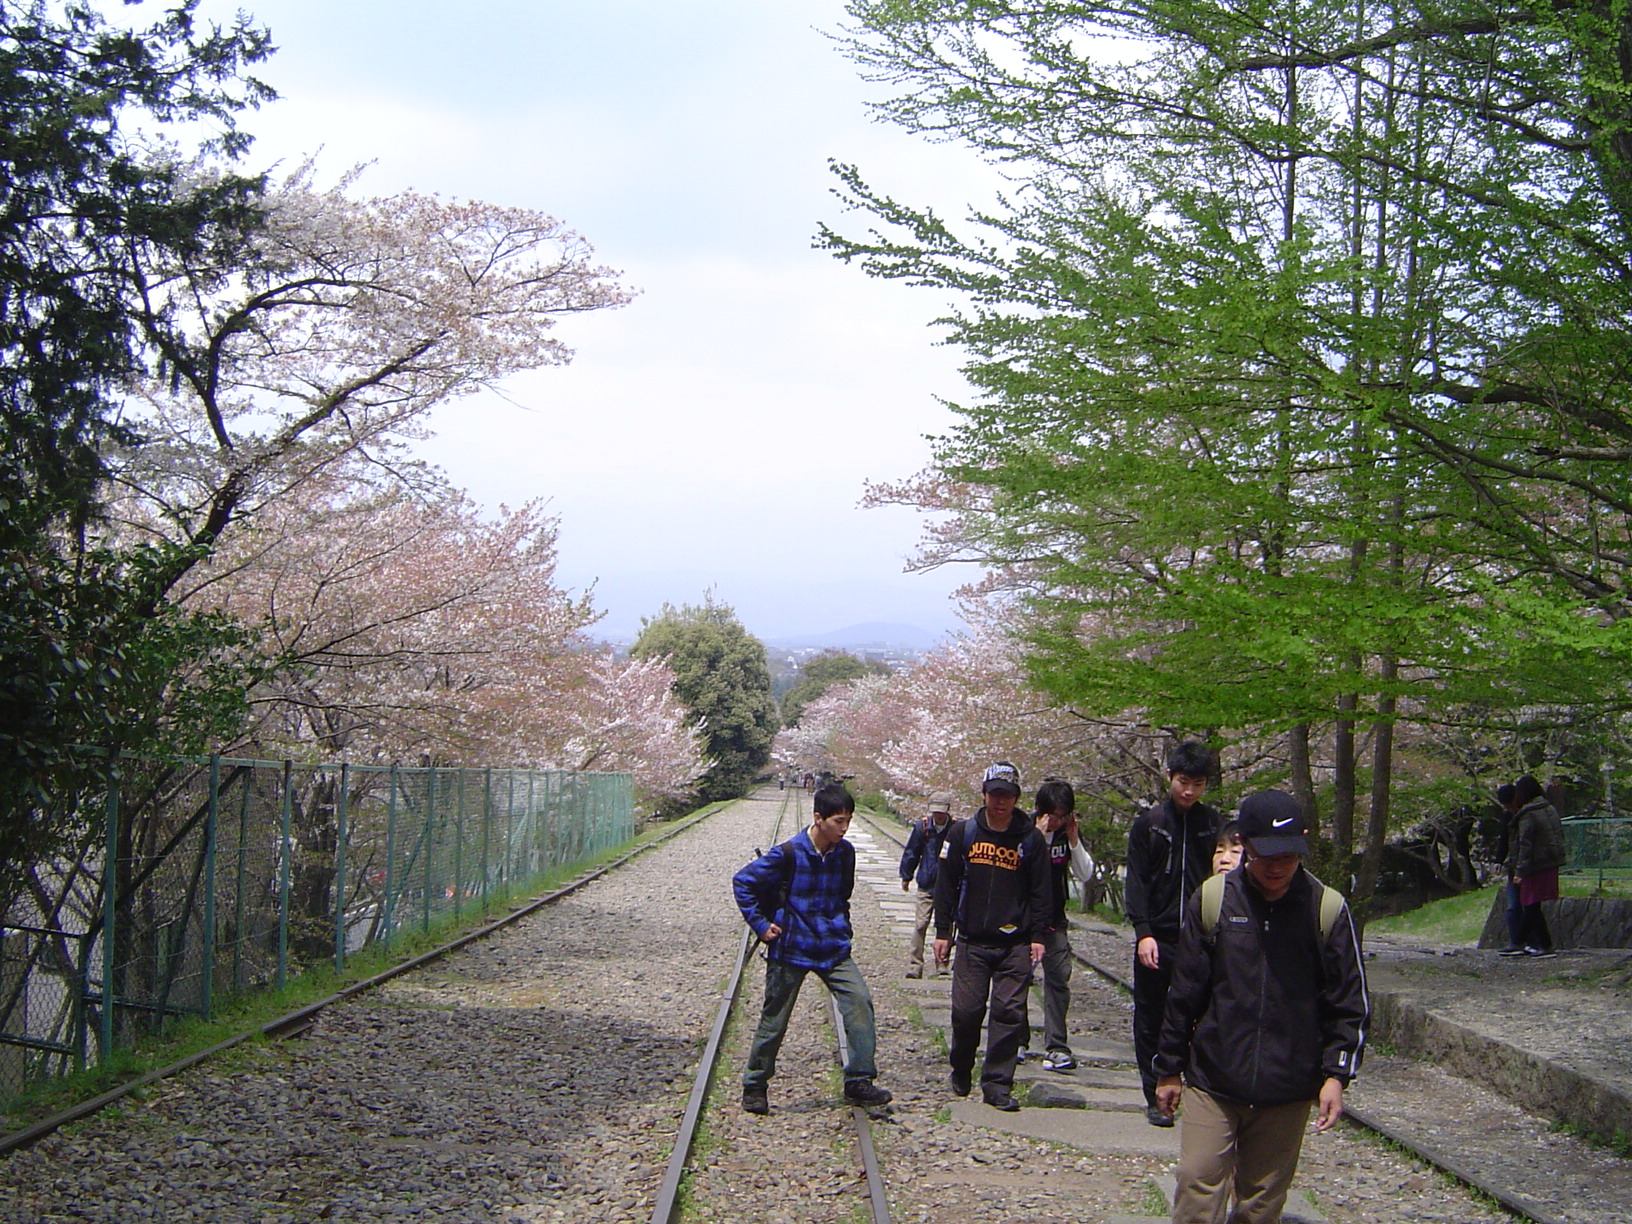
[(542, 1075)]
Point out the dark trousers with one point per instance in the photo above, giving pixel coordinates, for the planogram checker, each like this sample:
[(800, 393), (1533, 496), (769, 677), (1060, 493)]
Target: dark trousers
[(1149, 1001), (1515, 916), (1533, 932), (1000, 975)]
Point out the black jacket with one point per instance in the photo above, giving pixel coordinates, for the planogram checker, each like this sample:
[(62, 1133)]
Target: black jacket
[(1263, 1011), (1538, 839), (995, 886), (1168, 858)]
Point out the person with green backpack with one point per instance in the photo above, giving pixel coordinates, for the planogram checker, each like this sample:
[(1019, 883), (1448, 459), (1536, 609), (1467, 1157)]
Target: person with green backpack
[(1266, 1017)]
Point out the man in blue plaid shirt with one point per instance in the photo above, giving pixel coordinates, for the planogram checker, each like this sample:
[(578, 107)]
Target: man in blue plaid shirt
[(796, 897)]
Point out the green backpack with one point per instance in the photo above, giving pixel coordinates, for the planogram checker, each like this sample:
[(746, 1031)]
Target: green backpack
[(1212, 905)]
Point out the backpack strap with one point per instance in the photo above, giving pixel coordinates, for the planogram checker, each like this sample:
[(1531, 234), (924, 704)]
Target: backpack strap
[(1331, 905), (1212, 904)]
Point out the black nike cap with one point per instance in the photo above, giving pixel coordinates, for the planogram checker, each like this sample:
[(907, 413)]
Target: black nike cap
[(1273, 822)]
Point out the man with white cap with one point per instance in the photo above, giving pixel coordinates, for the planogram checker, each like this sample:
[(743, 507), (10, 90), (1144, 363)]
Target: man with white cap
[(919, 861), (1266, 1016), (994, 884)]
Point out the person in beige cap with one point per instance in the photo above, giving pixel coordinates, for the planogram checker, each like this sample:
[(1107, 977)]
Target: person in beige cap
[(919, 860)]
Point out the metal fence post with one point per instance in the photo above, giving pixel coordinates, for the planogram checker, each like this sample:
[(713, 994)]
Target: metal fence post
[(430, 841), (283, 875), (459, 843), (238, 920), (342, 833), (487, 827), (391, 854), (110, 911), (207, 990)]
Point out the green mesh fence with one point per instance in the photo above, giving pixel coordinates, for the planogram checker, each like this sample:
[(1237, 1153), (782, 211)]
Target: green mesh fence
[(233, 875), (1599, 847)]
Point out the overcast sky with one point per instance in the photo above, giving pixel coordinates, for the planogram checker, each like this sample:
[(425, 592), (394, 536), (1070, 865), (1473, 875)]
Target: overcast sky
[(718, 431)]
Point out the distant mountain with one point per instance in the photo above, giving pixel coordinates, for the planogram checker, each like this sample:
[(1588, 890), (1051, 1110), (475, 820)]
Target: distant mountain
[(855, 637)]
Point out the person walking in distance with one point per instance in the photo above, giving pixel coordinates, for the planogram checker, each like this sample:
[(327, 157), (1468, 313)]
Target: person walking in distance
[(1057, 821), (796, 898), (1266, 1016), (1536, 854), (993, 884), (920, 860), (1170, 852)]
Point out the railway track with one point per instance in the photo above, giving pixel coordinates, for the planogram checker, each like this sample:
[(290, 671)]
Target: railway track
[(735, 1005), (539, 1074)]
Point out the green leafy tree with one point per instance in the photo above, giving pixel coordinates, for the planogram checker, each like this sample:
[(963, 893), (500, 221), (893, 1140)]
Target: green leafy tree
[(1296, 347), (722, 678), (822, 672), (88, 655)]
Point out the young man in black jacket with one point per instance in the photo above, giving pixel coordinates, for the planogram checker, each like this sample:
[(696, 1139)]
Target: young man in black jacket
[(1170, 852), (1266, 1015), (994, 883)]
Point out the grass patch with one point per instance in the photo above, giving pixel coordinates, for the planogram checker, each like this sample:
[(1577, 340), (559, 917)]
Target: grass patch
[(1155, 1202), (1461, 919), (1453, 920), (943, 1115), (1620, 1143), (254, 1009)]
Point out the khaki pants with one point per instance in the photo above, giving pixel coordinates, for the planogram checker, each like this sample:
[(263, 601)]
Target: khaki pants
[(924, 911), (1250, 1149)]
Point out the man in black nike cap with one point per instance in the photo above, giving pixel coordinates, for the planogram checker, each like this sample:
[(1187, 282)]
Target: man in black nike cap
[(1266, 1017)]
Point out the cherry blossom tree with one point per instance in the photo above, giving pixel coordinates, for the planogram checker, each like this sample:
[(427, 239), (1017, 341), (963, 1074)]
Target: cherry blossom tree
[(355, 318), (404, 626)]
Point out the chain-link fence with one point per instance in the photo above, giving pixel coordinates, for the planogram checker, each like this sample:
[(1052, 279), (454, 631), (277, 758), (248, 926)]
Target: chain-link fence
[(1600, 848), (232, 875)]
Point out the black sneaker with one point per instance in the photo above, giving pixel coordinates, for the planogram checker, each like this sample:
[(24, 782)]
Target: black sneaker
[(755, 1101), (866, 1093), (1000, 1098), (1515, 950), (1155, 1116), (961, 1081), (1539, 953)]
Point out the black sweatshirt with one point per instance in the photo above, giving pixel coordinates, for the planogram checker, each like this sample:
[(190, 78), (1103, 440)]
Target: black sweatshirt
[(994, 885)]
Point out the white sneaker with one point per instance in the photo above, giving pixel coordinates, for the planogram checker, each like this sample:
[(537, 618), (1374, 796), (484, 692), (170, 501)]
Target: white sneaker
[(1059, 1060)]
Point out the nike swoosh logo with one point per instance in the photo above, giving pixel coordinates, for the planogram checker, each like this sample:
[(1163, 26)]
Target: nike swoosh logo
[(1285, 820)]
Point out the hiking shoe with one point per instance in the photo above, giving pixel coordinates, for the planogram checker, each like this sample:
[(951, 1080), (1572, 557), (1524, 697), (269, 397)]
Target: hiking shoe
[(1540, 953), (1515, 950), (961, 1081), (1059, 1060), (1000, 1098), (914, 974), (1155, 1116), (755, 1101), (866, 1093)]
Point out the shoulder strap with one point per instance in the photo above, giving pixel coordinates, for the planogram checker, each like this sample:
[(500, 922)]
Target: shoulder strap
[(1329, 904), (1212, 903)]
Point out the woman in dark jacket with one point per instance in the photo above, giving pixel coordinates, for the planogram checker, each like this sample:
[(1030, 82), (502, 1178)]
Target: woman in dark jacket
[(1535, 855)]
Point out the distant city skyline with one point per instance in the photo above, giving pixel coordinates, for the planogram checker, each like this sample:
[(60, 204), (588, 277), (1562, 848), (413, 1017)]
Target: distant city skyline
[(718, 432)]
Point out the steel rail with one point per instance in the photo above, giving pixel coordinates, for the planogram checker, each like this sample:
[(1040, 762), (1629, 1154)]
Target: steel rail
[(864, 1131), (298, 1021), (668, 1191)]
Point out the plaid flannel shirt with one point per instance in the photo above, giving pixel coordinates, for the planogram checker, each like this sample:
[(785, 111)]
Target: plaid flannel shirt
[(815, 919)]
